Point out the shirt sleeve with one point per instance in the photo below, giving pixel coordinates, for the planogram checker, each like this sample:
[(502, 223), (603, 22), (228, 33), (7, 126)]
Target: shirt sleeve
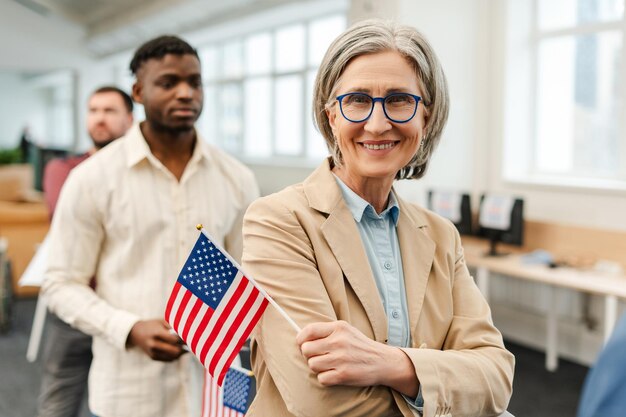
[(76, 239), (416, 403)]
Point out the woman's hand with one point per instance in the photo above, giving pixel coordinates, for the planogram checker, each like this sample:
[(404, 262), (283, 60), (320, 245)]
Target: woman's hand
[(341, 355)]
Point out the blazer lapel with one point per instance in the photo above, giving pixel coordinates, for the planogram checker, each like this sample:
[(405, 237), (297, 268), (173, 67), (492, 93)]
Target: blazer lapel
[(344, 240), (418, 251)]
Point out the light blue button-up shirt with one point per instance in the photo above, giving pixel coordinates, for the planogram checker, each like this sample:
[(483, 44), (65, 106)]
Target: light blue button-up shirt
[(380, 240)]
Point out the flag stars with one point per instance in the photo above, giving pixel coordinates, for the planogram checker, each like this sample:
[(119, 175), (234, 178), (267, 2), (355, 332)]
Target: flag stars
[(208, 270)]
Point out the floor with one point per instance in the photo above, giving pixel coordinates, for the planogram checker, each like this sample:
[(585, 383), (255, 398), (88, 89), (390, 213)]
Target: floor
[(536, 392)]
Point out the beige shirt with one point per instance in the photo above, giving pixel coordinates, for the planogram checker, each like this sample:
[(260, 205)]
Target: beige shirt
[(123, 217)]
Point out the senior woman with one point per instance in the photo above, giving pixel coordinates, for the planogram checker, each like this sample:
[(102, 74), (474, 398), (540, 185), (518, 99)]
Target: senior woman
[(391, 319)]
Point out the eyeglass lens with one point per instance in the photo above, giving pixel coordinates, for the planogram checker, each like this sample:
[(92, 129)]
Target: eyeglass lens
[(399, 107)]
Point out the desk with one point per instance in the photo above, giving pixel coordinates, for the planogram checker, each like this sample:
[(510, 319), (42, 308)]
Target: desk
[(609, 286), (24, 225)]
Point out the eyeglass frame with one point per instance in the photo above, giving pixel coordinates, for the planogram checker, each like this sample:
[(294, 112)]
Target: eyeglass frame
[(382, 103)]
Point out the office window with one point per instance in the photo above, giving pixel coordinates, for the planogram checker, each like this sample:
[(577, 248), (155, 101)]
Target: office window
[(60, 117), (290, 43), (568, 128), (259, 54), (258, 90), (54, 117)]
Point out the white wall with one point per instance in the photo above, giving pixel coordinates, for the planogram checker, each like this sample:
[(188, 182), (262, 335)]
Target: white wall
[(454, 29), (29, 41)]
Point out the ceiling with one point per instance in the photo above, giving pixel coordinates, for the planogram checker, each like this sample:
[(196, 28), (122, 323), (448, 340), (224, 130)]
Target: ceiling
[(115, 25)]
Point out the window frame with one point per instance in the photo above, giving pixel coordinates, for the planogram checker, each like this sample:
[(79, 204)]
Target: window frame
[(275, 156), (527, 172)]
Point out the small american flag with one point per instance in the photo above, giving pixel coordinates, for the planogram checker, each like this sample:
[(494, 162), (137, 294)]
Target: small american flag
[(233, 399), (214, 307)]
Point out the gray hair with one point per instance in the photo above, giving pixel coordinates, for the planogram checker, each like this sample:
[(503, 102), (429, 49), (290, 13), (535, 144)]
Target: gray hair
[(372, 36)]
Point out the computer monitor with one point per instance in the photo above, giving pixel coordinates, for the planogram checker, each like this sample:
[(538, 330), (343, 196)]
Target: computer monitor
[(454, 206), (39, 157), (501, 219)]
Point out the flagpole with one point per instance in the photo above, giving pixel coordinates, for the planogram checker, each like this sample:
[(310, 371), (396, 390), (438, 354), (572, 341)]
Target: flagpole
[(256, 284)]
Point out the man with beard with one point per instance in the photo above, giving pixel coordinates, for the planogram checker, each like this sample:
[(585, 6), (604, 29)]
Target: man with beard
[(127, 215), (67, 352), (109, 116)]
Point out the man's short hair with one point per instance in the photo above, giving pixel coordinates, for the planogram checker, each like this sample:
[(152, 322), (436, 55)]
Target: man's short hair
[(128, 102), (157, 48)]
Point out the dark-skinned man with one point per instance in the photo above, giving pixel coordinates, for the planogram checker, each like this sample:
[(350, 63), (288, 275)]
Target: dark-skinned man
[(127, 215)]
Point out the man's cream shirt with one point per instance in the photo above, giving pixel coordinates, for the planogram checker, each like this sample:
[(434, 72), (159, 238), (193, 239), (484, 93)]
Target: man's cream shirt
[(125, 219)]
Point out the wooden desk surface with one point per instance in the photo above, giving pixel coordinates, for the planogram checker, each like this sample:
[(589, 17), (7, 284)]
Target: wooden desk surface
[(594, 282)]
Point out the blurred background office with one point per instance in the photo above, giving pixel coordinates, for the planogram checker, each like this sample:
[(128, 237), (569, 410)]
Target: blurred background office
[(537, 113)]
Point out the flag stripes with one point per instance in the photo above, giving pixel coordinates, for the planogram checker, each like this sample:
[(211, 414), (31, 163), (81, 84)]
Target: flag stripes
[(216, 336), (213, 307)]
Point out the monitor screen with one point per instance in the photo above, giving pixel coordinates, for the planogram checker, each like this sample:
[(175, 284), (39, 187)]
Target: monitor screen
[(501, 219), (454, 206), (39, 157)]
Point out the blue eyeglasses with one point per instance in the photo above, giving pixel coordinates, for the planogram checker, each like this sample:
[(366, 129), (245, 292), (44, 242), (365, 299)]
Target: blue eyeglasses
[(398, 107)]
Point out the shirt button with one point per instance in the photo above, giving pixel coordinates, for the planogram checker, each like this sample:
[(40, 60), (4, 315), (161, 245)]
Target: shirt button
[(395, 314), (387, 265)]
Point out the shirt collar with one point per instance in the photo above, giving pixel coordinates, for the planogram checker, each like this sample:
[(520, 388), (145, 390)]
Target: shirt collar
[(360, 207), (138, 149)]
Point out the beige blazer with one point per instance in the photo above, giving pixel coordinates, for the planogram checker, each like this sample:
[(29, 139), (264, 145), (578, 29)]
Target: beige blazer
[(302, 245)]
